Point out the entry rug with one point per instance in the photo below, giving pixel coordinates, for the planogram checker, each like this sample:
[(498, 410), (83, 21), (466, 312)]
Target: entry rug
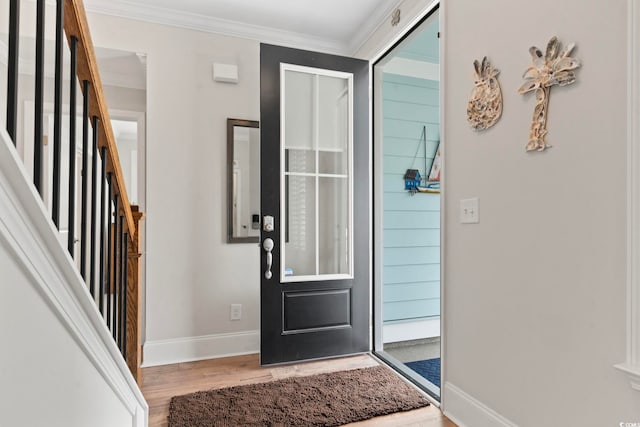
[(331, 399), (429, 369)]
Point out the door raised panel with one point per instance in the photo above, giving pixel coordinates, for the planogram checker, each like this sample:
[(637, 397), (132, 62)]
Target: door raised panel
[(316, 310)]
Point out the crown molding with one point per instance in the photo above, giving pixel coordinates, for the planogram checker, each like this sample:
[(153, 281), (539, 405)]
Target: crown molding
[(192, 21), (373, 24), (381, 42)]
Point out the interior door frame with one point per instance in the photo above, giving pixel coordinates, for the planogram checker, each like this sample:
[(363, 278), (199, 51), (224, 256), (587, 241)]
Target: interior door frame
[(377, 183)]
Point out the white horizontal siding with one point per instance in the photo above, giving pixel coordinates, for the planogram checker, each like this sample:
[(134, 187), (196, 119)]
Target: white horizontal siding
[(411, 257)]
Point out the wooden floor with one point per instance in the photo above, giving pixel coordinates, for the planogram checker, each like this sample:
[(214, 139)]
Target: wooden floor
[(160, 383)]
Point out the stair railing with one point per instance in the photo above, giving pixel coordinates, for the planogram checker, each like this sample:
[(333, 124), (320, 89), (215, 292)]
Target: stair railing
[(102, 228)]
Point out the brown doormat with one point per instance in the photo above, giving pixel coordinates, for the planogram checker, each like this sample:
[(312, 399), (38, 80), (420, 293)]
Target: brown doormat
[(319, 400)]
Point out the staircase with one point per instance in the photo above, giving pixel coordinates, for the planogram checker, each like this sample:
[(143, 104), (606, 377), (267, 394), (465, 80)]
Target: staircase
[(69, 238)]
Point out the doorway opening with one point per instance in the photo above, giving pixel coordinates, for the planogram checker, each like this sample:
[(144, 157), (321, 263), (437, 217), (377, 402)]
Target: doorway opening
[(407, 204)]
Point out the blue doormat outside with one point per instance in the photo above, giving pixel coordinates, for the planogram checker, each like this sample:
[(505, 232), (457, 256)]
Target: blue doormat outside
[(429, 369)]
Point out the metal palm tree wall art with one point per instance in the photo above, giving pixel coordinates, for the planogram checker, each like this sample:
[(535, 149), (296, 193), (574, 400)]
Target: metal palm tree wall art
[(555, 67), (485, 104)]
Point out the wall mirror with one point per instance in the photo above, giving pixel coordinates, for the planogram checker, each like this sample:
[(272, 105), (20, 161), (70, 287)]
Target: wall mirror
[(243, 181)]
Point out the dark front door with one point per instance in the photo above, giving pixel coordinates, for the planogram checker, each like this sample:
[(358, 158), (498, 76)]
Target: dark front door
[(315, 205)]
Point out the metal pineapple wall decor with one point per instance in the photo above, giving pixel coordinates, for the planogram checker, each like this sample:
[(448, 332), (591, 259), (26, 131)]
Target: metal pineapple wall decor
[(556, 67), (485, 105)]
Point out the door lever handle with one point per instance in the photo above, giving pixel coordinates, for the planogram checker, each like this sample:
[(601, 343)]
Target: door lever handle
[(267, 245)]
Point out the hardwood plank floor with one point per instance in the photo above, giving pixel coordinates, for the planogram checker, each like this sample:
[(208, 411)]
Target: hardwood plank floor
[(160, 383)]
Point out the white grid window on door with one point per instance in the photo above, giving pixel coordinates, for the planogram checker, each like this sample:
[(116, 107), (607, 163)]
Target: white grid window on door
[(316, 174)]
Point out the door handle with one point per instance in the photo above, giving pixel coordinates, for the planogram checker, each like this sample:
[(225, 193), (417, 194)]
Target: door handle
[(267, 245)]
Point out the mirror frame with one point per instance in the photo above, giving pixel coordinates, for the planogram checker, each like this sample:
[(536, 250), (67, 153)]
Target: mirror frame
[(231, 123)]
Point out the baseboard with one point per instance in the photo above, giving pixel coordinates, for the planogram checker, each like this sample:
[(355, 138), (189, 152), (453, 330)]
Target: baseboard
[(633, 372), (466, 411), (166, 352), (407, 331)]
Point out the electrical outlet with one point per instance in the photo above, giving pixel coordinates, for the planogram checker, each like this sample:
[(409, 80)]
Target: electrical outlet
[(469, 211), (236, 312)]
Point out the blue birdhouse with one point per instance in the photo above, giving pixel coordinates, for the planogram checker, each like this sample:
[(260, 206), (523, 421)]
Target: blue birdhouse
[(411, 179)]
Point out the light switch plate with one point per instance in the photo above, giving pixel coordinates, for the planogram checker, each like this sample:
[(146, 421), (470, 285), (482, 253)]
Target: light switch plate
[(236, 312), (469, 211)]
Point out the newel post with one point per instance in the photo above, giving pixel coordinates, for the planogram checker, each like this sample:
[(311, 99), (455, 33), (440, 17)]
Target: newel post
[(134, 299)]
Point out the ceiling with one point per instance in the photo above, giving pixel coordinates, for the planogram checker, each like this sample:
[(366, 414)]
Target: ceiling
[(338, 26)]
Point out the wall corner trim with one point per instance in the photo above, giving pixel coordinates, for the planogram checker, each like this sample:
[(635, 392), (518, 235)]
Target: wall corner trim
[(633, 372), (466, 411), (190, 349), (632, 365)]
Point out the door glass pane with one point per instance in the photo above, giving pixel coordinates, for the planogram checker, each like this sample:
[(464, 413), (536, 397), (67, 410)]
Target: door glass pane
[(333, 162), (332, 113), (316, 166), (302, 161), (299, 109), (300, 233), (333, 129), (333, 223)]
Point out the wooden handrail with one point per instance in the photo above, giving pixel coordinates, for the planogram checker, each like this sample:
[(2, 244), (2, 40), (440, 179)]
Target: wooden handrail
[(76, 25)]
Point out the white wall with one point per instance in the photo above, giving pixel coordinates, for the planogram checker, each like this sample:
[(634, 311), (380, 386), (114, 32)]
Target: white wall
[(48, 367), (123, 98), (544, 270), (126, 145), (60, 365), (192, 273), (3, 96)]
